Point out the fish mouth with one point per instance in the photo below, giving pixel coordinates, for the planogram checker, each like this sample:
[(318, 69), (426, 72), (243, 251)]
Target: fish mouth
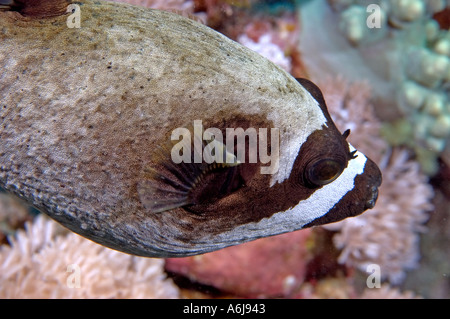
[(370, 203), (374, 181)]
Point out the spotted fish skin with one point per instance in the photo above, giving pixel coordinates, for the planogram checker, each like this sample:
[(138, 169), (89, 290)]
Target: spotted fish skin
[(83, 111)]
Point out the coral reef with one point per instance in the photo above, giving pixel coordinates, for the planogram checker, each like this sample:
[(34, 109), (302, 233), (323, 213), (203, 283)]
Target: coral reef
[(396, 46), (328, 288), (45, 262), (351, 108), (432, 278)]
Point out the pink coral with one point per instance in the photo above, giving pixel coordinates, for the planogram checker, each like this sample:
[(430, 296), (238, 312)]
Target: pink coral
[(274, 38), (267, 49), (269, 267)]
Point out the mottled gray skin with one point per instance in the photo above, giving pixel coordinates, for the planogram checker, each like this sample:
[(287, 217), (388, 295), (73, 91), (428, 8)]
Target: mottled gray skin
[(81, 111)]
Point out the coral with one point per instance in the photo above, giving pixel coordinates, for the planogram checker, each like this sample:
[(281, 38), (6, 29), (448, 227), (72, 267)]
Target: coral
[(400, 50), (268, 267), (43, 263), (328, 288), (342, 288), (275, 38), (387, 292), (267, 49), (387, 235)]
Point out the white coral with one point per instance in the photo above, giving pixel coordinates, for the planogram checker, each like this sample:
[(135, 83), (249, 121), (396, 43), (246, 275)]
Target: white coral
[(41, 264), (267, 49)]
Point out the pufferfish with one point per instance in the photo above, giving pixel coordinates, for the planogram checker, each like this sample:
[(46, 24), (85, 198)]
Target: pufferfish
[(87, 117)]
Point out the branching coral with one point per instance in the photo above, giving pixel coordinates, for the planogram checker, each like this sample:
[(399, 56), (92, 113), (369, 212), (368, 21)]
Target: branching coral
[(43, 263), (399, 49), (387, 235)]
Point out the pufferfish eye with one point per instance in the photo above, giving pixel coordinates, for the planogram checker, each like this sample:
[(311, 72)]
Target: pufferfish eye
[(323, 172)]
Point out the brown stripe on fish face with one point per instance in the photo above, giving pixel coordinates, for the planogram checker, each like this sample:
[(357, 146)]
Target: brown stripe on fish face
[(254, 199), (196, 187)]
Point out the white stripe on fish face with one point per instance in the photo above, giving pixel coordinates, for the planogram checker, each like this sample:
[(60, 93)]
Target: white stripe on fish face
[(310, 118), (306, 211), (325, 198)]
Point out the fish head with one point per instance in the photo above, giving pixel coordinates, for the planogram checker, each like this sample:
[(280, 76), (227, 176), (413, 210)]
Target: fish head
[(224, 199)]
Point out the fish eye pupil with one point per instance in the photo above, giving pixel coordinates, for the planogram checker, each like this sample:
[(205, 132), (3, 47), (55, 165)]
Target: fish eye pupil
[(323, 172)]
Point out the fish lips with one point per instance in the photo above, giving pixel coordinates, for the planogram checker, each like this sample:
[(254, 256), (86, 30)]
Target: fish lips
[(362, 197), (373, 179)]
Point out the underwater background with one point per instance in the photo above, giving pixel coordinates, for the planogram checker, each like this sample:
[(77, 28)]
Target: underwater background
[(384, 69)]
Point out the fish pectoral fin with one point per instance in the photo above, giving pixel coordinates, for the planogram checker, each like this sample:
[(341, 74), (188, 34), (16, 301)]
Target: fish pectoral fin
[(159, 193), (188, 184), (168, 185)]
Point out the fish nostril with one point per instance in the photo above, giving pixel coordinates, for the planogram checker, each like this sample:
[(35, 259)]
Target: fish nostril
[(373, 199)]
